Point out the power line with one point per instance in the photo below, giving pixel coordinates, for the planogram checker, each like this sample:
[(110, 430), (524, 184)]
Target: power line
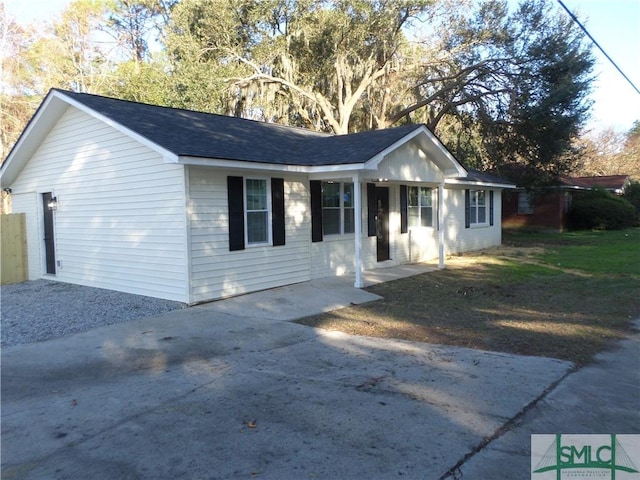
[(598, 45)]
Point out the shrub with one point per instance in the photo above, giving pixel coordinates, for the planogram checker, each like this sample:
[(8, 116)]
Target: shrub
[(632, 195), (600, 210)]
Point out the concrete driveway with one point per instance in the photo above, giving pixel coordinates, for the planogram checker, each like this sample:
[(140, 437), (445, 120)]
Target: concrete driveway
[(234, 390)]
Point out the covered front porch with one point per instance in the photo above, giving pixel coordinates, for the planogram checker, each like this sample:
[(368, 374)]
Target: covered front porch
[(361, 225)]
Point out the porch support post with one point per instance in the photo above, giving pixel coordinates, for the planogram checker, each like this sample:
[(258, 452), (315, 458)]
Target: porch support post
[(441, 224), (357, 229)]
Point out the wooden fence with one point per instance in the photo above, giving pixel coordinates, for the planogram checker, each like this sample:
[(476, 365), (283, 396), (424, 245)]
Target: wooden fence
[(13, 248)]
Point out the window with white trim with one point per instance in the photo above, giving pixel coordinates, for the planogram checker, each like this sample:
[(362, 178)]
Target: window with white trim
[(420, 206), (337, 208), (525, 203), (478, 207), (257, 210)]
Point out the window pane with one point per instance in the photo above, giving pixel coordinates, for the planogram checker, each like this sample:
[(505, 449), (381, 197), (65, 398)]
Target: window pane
[(481, 198), (413, 216), (330, 194), (425, 197), (482, 214), (348, 196), (473, 215), (427, 216), (413, 196), (331, 221), (257, 227), (256, 194), (348, 220)]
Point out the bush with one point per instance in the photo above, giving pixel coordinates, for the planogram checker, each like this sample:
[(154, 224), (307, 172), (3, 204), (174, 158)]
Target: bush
[(600, 210), (632, 195)]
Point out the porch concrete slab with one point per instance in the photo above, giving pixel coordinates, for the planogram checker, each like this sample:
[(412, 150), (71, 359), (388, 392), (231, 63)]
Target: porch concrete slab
[(381, 275), (201, 393), (293, 301), (314, 297)]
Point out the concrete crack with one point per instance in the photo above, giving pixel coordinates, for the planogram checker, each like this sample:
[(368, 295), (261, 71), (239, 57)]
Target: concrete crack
[(454, 473)]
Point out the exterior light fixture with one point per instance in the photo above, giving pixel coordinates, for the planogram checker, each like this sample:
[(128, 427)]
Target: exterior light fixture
[(53, 204)]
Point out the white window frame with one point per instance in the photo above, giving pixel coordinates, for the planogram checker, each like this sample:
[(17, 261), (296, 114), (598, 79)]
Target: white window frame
[(474, 208), (341, 207), (420, 207), (269, 239)]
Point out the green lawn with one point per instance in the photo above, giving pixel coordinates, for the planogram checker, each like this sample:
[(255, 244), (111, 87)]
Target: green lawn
[(615, 252)]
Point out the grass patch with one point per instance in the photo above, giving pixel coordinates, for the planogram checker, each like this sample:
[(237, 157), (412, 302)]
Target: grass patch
[(565, 296), (615, 252)]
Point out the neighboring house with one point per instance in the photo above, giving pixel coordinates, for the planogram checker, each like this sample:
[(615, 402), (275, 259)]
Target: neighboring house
[(191, 206), (615, 184), (549, 209)]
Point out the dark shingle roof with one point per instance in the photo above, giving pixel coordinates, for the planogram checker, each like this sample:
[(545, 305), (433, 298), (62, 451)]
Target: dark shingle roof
[(605, 181), (206, 135)]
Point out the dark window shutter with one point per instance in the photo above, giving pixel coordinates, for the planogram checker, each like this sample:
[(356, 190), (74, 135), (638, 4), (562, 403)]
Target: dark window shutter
[(467, 208), (316, 210), (491, 207), (372, 209), (404, 209), (277, 211), (235, 196)]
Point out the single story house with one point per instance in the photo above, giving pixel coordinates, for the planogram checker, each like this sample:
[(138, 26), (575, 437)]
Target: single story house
[(191, 206), (549, 209)]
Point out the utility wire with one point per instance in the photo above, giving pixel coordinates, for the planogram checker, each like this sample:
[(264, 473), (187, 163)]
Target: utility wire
[(598, 45)]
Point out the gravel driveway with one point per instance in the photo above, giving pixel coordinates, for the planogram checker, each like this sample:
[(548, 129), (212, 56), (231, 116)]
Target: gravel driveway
[(44, 309)]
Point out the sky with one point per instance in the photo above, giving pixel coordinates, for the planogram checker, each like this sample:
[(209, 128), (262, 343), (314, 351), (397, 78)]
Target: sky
[(615, 25)]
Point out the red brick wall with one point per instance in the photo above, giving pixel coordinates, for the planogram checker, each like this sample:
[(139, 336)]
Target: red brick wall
[(548, 211)]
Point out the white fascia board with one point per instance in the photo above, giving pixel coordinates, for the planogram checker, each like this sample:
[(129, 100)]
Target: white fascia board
[(167, 155), (462, 183), (345, 175), (270, 167)]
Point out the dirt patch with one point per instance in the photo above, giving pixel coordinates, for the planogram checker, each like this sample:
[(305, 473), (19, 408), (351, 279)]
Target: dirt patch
[(502, 299)]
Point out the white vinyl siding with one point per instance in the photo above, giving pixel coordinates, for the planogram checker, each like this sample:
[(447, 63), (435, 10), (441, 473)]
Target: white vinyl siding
[(218, 272), (120, 222), (460, 239)]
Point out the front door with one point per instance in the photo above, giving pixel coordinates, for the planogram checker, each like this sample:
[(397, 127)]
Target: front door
[(382, 223), (49, 245)]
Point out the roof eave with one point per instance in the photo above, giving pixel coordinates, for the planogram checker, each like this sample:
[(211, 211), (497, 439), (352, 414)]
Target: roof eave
[(463, 182), (271, 167)]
